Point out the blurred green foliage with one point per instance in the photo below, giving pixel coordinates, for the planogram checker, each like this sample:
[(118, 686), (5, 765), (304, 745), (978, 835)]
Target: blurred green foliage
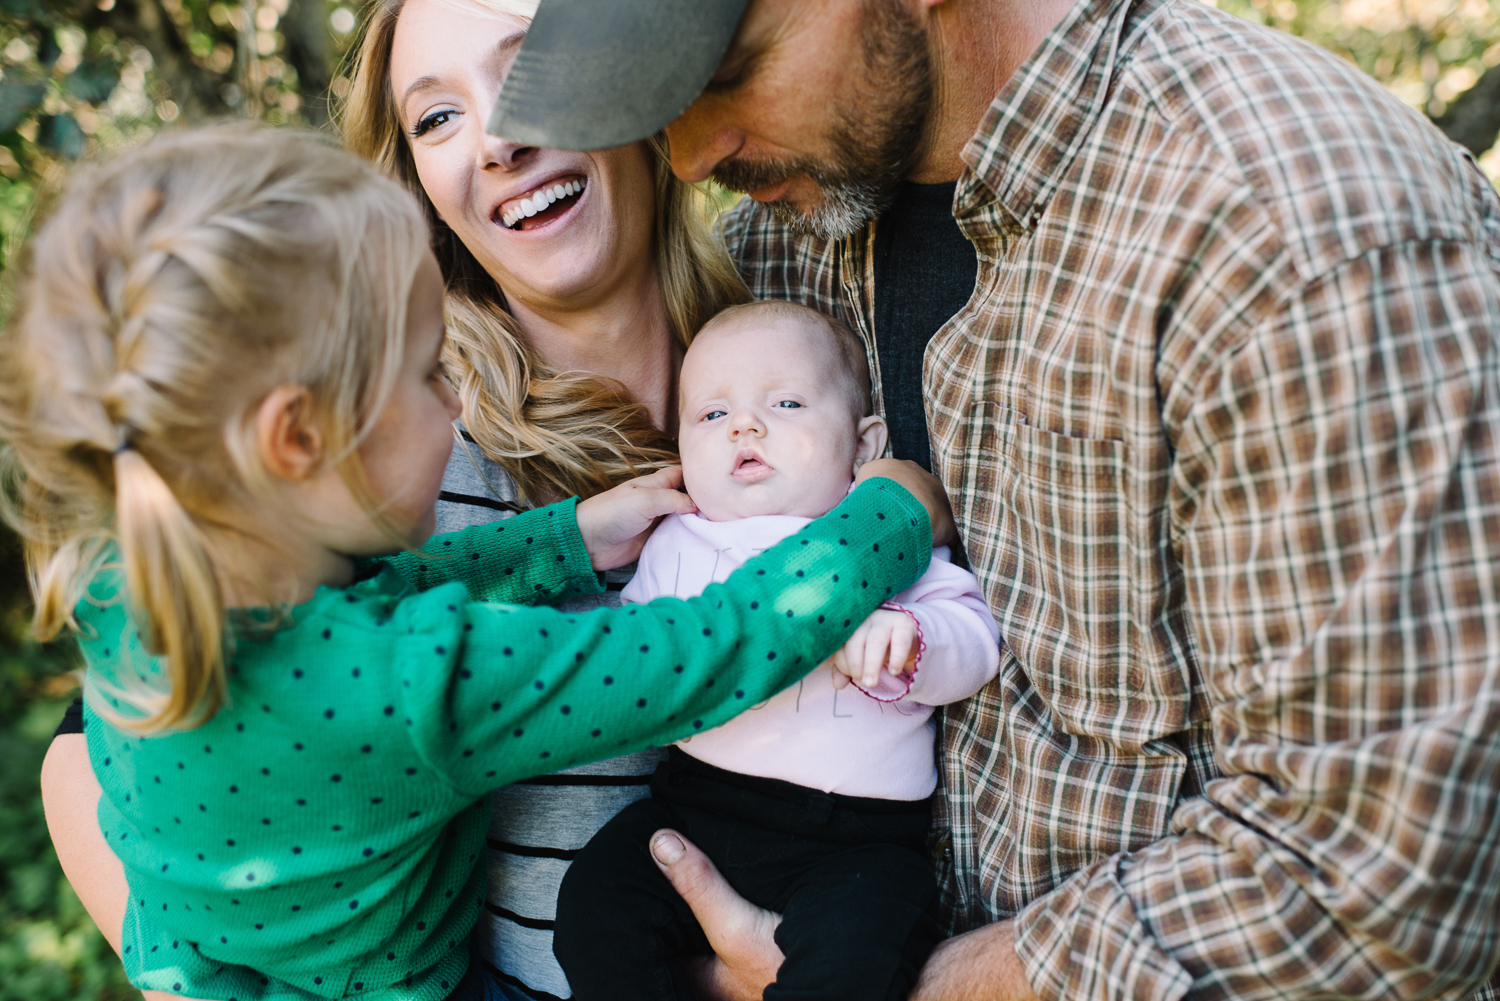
[(49, 949), (82, 77), (1439, 56)]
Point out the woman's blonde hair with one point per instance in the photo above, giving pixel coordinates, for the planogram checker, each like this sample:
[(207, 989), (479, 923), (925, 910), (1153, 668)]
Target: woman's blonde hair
[(168, 292), (555, 433)]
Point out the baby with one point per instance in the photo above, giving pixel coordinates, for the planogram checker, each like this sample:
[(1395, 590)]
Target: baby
[(815, 803)]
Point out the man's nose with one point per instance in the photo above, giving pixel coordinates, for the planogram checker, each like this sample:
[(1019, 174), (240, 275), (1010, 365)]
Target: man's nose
[(700, 139)]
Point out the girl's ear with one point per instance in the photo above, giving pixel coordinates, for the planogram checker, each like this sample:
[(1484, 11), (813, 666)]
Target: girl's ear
[(287, 438), (870, 441)]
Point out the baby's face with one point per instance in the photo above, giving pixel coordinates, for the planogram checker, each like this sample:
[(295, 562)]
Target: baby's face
[(767, 426)]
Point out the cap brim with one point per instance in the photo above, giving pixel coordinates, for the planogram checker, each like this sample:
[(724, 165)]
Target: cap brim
[(592, 74)]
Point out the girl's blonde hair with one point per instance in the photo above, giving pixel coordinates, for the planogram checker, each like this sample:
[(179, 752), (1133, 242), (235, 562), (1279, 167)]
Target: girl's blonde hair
[(555, 433), (167, 294)]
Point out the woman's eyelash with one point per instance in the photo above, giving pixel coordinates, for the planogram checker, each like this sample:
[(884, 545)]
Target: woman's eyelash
[(427, 123)]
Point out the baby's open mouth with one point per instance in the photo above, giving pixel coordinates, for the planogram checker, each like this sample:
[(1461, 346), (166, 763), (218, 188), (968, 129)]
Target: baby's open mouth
[(748, 466), (542, 204)]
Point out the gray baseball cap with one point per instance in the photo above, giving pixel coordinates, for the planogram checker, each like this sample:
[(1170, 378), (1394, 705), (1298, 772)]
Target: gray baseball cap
[(593, 74)]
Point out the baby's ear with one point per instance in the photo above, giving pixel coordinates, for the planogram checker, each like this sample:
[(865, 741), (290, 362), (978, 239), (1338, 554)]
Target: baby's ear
[(869, 443)]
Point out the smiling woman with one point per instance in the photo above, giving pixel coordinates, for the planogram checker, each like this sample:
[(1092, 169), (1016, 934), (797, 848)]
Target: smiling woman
[(562, 267), (575, 281)]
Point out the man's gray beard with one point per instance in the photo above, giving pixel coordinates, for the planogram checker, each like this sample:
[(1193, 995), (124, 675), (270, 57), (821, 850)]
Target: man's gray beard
[(847, 205), (876, 139)]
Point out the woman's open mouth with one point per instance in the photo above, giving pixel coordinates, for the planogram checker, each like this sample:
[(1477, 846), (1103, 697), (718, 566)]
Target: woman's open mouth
[(542, 204)]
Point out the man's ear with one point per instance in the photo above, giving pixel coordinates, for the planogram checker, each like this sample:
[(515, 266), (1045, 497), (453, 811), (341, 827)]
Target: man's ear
[(870, 441), (287, 438)]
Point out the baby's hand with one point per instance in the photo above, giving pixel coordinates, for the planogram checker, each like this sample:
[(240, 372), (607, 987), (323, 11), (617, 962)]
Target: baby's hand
[(614, 524), (888, 638)]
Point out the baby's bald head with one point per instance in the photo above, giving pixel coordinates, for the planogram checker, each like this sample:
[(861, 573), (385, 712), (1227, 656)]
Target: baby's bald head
[(838, 346)]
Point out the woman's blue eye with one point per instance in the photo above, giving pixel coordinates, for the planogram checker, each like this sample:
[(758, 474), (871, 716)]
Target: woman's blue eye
[(714, 415), (429, 122), (789, 404)]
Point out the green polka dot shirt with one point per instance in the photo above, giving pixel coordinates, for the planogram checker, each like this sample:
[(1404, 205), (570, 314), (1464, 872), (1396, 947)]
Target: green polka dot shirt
[(321, 836)]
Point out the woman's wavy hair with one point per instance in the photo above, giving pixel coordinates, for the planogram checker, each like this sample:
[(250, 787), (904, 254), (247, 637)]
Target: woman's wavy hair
[(167, 293), (555, 433)]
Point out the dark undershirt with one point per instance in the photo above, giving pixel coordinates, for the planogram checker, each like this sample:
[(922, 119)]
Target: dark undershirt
[(72, 721), (924, 273)]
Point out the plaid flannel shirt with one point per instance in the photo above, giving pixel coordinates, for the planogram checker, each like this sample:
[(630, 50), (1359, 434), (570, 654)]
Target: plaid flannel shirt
[(1221, 423)]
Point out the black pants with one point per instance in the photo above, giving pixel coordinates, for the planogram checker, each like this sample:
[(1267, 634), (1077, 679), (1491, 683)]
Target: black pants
[(471, 987), (849, 876)]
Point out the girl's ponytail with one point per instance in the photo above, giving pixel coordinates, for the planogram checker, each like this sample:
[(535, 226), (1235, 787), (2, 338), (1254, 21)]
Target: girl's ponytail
[(169, 292), (174, 591)]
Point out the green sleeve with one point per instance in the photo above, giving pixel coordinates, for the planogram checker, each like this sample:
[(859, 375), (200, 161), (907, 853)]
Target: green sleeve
[(534, 558), (497, 693)]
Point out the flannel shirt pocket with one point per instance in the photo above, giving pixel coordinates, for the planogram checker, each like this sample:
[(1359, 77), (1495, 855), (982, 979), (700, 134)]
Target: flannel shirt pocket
[(1072, 556), (1050, 530)]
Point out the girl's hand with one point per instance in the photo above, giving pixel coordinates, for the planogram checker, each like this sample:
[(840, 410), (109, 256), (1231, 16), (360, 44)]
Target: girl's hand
[(614, 524), (887, 639), (924, 487)]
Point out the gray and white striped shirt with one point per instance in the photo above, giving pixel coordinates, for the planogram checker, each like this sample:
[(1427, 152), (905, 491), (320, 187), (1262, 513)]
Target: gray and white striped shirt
[(536, 826)]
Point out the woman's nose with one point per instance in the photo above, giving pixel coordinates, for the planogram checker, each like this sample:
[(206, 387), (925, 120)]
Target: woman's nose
[(499, 152)]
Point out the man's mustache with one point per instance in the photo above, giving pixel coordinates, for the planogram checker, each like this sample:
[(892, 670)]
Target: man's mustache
[(753, 175)]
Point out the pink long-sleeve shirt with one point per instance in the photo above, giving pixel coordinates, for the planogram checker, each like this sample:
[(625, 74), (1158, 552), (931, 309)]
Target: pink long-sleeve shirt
[(878, 743)]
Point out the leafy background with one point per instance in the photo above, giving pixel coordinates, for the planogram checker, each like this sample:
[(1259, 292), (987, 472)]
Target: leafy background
[(79, 78)]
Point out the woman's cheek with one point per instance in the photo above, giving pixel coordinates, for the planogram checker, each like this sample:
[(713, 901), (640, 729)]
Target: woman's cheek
[(437, 182)]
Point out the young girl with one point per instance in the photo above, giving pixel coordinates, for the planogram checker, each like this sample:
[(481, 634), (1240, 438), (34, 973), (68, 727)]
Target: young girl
[(222, 395)]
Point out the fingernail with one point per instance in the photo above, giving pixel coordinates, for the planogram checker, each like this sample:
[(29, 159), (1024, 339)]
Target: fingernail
[(667, 848)]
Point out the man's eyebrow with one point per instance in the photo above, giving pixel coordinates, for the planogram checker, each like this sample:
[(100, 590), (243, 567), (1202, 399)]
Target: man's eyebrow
[(430, 82)]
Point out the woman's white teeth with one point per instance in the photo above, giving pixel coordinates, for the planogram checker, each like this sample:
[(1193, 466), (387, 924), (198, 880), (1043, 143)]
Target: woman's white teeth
[(538, 200)]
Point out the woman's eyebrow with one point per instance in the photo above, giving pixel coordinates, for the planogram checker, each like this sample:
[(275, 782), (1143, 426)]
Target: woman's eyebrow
[(421, 83)]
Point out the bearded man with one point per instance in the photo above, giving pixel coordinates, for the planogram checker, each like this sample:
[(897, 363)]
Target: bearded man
[(1198, 327)]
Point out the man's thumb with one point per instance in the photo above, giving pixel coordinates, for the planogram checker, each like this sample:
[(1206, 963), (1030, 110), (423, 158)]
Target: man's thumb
[(698, 882), (740, 933)]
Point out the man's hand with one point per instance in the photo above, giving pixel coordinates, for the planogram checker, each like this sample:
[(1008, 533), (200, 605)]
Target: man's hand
[(746, 956), (924, 487), (887, 639), (614, 524), (980, 965)]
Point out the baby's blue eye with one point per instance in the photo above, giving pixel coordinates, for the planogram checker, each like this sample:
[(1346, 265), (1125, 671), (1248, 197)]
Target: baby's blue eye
[(789, 404), (714, 415)]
